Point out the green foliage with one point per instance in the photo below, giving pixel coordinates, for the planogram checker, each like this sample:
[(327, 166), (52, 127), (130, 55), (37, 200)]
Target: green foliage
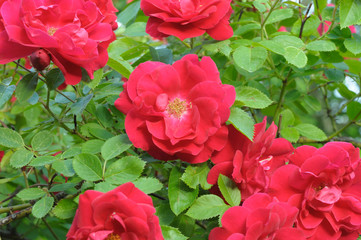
[(124, 170), (42, 207), (26, 87), (88, 166), (207, 206), (65, 209), (172, 233), (10, 138), (196, 175), (115, 146), (31, 193), (242, 122), (229, 190)]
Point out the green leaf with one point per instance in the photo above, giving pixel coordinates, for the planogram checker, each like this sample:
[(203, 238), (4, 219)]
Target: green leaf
[(195, 175), (295, 56), (164, 55), (115, 146), (290, 133), (353, 108), (353, 44), (148, 185), (42, 207), (104, 116), (42, 160), (98, 75), (250, 59), (64, 167), (334, 74), (63, 100), (26, 87), (92, 146), (62, 187), (311, 131), (274, 46), (171, 233), (350, 12), (104, 187), (54, 78), (222, 47), (21, 158), (71, 152), (88, 167), (120, 65), (137, 29), (42, 141), (78, 107), (279, 15), (129, 13), (242, 122), (332, 57), (179, 194), (345, 92), (229, 190), (124, 170), (5, 93), (207, 206), (288, 118), (9, 138), (289, 41), (321, 46), (252, 97), (30, 194), (65, 209)]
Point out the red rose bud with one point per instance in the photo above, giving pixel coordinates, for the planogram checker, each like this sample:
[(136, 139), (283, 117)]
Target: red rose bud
[(40, 59)]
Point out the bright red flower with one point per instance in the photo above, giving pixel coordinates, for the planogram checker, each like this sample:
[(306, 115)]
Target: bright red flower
[(325, 185), (123, 213), (250, 164), (188, 18), (259, 218), (75, 33), (177, 111)]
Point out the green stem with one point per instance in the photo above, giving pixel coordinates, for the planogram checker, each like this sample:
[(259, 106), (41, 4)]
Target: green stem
[(14, 208), (25, 179), (282, 94), (50, 229), (263, 23), (344, 127), (328, 109)]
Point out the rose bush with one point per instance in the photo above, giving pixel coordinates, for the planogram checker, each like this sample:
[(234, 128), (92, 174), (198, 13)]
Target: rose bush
[(187, 19), (75, 34), (324, 184), (250, 164), (177, 111), (123, 213), (260, 217)]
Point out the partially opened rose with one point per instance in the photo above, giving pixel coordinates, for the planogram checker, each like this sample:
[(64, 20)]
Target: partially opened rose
[(261, 217), (188, 18), (324, 184), (250, 164), (74, 33), (177, 111), (123, 213)]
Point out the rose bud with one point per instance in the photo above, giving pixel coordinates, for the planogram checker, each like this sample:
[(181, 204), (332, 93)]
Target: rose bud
[(40, 59)]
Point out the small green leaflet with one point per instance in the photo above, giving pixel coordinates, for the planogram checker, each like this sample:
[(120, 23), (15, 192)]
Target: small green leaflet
[(242, 122), (42, 207)]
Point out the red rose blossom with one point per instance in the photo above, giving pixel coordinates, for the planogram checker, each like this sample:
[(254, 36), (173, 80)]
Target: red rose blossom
[(250, 164), (188, 18), (259, 218), (75, 33), (177, 111), (325, 185), (123, 213)]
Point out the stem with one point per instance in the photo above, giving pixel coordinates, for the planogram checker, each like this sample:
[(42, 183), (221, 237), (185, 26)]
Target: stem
[(61, 123), (332, 22), (344, 127), (282, 94), (328, 109), (50, 229), (263, 23), (346, 103), (14, 216), (25, 179), (304, 20), (14, 208)]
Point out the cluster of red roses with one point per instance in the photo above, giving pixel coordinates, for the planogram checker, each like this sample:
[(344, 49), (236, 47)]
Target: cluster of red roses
[(180, 111)]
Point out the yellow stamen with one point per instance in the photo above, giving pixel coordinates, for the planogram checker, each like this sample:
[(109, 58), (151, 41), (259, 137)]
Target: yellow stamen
[(113, 236), (177, 107), (52, 30)]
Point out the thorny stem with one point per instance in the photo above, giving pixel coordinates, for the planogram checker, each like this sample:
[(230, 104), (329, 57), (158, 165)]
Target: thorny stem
[(14, 208)]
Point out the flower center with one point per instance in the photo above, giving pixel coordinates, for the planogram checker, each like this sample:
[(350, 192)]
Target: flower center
[(52, 30), (113, 236), (328, 195), (178, 107)]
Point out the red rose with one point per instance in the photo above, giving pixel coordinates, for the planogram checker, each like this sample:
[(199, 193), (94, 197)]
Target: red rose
[(325, 185), (188, 18), (177, 111), (123, 213), (75, 33), (250, 164), (260, 217)]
